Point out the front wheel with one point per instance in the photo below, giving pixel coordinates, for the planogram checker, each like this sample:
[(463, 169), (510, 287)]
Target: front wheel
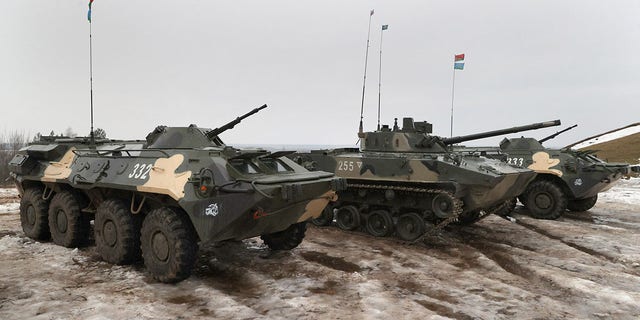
[(580, 205), (286, 239), (545, 200), (34, 215), (169, 245)]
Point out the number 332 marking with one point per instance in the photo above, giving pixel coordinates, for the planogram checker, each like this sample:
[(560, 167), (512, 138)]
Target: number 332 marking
[(140, 171)]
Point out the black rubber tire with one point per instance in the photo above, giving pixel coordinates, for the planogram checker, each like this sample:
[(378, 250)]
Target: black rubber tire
[(545, 200), (325, 218), (69, 227), (410, 226), (348, 218), (169, 245), (286, 239), (442, 206), (34, 215), (379, 223), (117, 232), (581, 205)]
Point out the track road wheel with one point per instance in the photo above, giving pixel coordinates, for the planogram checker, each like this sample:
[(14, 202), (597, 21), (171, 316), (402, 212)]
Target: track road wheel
[(325, 218), (169, 245), (545, 200), (442, 206), (580, 205), (117, 232), (69, 227), (410, 226), (286, 239), (348, 218), (379, 223), (34, 215)]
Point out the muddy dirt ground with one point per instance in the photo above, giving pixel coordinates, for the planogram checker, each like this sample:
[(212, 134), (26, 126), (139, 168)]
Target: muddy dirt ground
[(583, 266)]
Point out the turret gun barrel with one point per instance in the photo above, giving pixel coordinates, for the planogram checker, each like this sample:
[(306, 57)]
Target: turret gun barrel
[(215, 132), (557, 134), (539, 125)]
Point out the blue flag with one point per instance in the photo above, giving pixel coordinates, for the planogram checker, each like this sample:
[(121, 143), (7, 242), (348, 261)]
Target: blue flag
[(458, 66), (89, 13)]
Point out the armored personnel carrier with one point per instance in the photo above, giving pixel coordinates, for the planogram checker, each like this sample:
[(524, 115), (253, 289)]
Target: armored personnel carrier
[(159, 197), (567, 179), (403, 181)]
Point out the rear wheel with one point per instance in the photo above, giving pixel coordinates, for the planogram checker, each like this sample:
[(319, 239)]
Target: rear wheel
[(325, 218), (581, 205), (286, 239), (348, 218), (68, 226), (169, 245), (117, 232), (410, 226), (545, 200), (34, 215), (379, 223)]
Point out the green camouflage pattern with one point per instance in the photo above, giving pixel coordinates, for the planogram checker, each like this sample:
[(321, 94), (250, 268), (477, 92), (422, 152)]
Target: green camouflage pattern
[(580, 175), (409, 171)]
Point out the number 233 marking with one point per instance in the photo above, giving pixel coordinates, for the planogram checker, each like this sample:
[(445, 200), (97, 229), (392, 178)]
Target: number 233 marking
[(140, 171)]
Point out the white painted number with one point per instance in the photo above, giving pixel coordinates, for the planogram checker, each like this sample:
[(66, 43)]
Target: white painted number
[(516, 161), (349, 165), (140, 171)]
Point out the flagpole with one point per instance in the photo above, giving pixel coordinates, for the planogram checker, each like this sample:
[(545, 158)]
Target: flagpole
[(453, 88), (380, 77), (364, 81), (91, 82)]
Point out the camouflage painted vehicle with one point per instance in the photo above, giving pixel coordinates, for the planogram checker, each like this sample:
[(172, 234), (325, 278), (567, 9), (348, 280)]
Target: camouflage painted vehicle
[(404, 181), (567, 179), (158, 198)]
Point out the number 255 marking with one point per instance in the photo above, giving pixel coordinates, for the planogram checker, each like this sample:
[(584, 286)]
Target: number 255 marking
[(140, 171)]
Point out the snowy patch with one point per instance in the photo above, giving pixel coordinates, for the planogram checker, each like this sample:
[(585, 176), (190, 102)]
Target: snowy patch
[(9, 208), (608, 137), (8, 192)]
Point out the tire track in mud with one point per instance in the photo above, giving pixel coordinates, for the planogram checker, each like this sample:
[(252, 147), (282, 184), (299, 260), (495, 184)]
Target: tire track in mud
[(583, 249), (493, 249)]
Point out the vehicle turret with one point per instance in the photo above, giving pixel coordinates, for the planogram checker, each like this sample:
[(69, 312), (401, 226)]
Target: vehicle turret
[(416, 137)]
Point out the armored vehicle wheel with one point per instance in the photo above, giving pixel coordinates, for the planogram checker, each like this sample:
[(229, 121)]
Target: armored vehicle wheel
[(580, 205), (68, 226), (442, 206), (325, 218), (379, 223), (410, 226), (34, 215), (286, 239), (545, 200), (117, 232), (348, 218), (169, 245)]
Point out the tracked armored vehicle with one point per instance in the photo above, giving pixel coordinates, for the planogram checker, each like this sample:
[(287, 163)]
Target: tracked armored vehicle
[(158, 198), (404, 181), (567, 179)]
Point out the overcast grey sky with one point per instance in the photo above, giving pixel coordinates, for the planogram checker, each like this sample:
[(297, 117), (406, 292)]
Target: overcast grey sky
[(205, 62)]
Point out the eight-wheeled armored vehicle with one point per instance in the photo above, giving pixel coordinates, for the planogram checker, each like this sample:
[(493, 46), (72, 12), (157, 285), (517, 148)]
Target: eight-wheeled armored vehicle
[(404, 180), (567, 179), (159, 197)]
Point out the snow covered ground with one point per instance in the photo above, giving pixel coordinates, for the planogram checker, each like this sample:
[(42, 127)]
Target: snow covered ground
[(582, 266), (609, 137)]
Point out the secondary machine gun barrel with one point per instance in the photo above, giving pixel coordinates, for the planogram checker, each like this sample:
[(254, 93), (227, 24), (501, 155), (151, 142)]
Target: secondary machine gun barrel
[(557, 134), (215, 132), (476, 136)]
